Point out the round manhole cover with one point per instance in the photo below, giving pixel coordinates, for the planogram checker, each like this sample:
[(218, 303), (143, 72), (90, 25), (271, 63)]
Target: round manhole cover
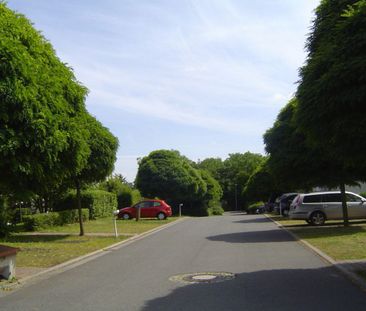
[(203, 277)]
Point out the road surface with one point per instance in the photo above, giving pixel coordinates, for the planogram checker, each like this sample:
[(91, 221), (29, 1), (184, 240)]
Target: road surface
[(272, 272)]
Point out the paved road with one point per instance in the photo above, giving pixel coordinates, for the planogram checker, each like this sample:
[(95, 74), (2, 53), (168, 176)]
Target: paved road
[(273, 272)]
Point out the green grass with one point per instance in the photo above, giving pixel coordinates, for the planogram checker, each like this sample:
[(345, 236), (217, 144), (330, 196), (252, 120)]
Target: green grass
[(105, 225), (49, 250), (337, 241)]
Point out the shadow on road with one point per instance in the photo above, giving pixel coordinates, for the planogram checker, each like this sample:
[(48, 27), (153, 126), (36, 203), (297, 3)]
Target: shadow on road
[(253, 237), (267, 290)]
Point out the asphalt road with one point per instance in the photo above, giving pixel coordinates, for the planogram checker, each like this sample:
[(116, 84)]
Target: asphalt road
[(272, 272)]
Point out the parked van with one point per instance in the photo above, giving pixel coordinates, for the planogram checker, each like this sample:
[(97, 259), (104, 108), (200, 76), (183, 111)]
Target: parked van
[(315, 208)]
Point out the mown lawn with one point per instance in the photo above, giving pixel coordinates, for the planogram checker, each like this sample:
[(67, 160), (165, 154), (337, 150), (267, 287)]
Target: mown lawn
[(40, 250), (337, 241), (105, 225), (46, 251)]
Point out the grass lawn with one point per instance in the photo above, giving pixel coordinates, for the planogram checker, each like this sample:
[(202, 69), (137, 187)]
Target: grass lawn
[(337, 241), (49, 250), (105, 225)]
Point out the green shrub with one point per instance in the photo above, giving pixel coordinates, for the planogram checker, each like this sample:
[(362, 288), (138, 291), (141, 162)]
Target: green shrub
[(19, 213), (100, 203), (215, 210), (47, 220), (363, 194), (253, 207)]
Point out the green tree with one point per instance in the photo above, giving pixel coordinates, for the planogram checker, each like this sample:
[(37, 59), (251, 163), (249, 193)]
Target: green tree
[(236, 171), (168, 175), (262, 185), (332, 90), (212, 165), (41, 101), (100, 162)]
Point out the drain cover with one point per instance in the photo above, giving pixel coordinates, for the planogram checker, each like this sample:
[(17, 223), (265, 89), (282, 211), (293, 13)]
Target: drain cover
[(203, 277)]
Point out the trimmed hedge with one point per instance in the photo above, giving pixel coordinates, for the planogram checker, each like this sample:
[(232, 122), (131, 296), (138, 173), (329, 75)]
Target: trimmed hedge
[(46, 220), (100, 203)]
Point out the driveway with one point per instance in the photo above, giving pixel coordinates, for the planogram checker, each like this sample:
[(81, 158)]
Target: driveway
[(271, 272)]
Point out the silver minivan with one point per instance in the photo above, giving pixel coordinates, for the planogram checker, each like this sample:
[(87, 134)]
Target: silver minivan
[(315, 208)]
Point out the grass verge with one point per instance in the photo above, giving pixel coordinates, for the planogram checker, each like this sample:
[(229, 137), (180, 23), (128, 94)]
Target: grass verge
[(105, 225), (62, 243), (337, 241)]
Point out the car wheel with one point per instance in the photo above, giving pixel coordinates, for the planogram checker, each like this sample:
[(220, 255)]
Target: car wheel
[(161, 216), (126, 216), (317, 219)]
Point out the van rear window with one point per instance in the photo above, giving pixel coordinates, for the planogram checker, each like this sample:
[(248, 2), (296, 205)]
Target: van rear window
[(317, 198)]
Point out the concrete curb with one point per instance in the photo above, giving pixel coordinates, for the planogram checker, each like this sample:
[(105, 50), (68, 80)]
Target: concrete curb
[(357, 280), (85, 258)]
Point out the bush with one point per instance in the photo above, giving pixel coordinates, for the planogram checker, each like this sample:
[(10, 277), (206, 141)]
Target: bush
[(19, 213), (100, 203), (46, 220), (215, 210), (252, 209)]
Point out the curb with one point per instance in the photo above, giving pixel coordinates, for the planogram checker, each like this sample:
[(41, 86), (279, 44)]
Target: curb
[(354, 278), (85, 258)]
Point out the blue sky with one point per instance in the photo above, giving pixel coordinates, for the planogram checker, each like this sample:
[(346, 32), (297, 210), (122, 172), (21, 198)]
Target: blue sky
[(205, 77)]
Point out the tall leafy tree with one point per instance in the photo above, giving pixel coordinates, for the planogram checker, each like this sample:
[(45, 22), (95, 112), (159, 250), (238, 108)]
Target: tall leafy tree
[(262, 185), (100, 161), (40, 103), (332, 89), (293, 162), (236, 171), (168, 175)]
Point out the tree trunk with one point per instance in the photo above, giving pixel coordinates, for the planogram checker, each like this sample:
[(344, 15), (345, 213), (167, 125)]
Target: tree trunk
[(78, 199), (344, 204)]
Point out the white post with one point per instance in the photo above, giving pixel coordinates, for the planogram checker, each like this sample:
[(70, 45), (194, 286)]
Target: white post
[(180, 209), (115, 213)]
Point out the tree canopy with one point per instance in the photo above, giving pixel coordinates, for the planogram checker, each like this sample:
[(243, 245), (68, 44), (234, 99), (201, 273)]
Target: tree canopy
[(41, 102), (332, 88)]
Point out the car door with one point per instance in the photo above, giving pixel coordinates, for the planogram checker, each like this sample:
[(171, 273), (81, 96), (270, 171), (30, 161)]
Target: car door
[(356, 207), (332, 205), (145, 209)]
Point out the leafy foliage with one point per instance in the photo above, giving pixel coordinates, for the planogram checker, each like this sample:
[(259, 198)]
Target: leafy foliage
[(41, 101), (172, 177), (100, 203), (47, 220)]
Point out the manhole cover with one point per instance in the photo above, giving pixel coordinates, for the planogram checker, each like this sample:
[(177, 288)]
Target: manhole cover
[(203, 277)]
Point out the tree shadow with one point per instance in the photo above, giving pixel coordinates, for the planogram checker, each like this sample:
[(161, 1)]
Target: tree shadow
[(288, 289), (253, 237)]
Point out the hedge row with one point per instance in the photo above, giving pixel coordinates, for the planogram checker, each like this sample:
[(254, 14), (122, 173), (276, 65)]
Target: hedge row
[(46, 220), (99, 203)]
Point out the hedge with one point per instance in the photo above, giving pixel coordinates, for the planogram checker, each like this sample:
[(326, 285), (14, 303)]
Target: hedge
[(46, 220), (100, 203)]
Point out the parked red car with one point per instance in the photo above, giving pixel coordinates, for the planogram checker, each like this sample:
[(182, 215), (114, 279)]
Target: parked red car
[(149, 209)]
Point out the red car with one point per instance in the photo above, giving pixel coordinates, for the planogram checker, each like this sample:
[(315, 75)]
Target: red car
[(149, 209)]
